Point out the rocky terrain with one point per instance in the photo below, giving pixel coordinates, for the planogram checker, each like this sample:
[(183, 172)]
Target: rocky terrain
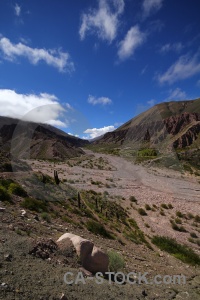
[(171, 124), (101, 198), (134, 200), (32, 140)]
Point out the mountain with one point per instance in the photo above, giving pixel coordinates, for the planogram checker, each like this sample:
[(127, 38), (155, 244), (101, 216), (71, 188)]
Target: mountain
[(35, 140), (166, 125)]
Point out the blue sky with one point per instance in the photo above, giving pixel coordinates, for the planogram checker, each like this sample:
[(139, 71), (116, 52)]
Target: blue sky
[(92, 65)]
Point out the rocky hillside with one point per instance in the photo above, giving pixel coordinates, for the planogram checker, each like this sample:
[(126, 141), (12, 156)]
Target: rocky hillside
[(166, 125), (32, 140)]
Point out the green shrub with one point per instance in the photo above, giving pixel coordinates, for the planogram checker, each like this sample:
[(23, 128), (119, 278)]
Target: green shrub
[(142, 212), (45, 216), (193, 235), (116, 261), (133, 223), (34, 204), (6, 182), (162, 212), (179, 251), (147, 152), (190, 216), (97, 228), (16, 189), (133, 199), (163, 205), (177, 228), (178, 221), (179, 214), (170, 206), (4, 195), (148, 207), (197, 218)]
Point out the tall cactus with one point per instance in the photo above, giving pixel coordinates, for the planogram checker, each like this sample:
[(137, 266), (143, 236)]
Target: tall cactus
[(96, 202), (79, 200), (57, 180)]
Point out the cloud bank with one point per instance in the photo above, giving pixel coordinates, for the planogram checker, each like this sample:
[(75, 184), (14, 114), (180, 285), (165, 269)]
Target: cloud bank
[(133, 39), (95, 132), (43, 108), (185, 67), (104, 21), (101, 100), (55, 58)]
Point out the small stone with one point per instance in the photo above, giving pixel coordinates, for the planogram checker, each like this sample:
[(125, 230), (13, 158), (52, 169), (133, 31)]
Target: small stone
[(8, 257), (63, 297), (144, 293), (2, 209)]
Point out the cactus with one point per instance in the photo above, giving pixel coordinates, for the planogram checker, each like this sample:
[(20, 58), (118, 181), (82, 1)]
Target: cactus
[(79, 200), (57, 180), (44, 179), (117, 215), (96, 202)]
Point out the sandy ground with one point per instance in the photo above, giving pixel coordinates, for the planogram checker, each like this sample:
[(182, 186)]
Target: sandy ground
[(148, 185)]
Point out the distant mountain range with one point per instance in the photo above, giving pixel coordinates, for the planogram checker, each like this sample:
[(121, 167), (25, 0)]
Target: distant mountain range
[(33, 140), (166, 125)]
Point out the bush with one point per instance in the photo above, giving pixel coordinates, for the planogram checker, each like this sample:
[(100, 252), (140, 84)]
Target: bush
[(178, 221), (97, 228), (6, 182), (34, 204), (16, 189), (133, 223), (197, 218), (116, 261), (163, 205), (148, 152), (179, 251), (193, 235), (176, 227), (133, 199), (190, 216), (148, 207), (4, 195), (142, 212), (179, 214), (170, 206), (45, 216)]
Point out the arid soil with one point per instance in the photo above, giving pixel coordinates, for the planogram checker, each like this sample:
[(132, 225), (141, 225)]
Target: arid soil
[(26, 276), (148, 185)]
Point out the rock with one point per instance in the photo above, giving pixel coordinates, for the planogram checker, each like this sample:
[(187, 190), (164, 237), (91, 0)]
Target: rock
[(2, 209), (96, 262), (23, 213), (8, 257), (92, 258), (36, 218), (144, 293), (44, 248), (63, 297)]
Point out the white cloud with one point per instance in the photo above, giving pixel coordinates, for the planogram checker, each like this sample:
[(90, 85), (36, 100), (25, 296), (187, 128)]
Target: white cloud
[(95, 132), (133, 39), (43, 108), (17, 9), (104, 21), (185, 67), (150, 6), (151, 102), (176, 47), (68, 106), (101, 100), (177, 94), (55, 58)]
